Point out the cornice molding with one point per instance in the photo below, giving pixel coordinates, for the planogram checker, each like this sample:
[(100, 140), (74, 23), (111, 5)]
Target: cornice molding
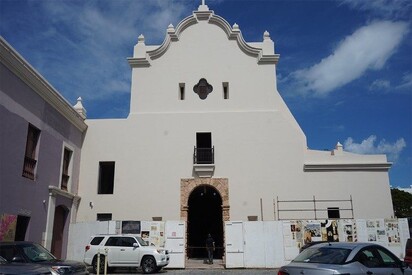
[(22, 69), (54, 191), (318, 167)]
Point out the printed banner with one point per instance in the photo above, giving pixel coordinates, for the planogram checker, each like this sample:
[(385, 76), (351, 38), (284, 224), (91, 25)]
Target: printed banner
[(8, 227)]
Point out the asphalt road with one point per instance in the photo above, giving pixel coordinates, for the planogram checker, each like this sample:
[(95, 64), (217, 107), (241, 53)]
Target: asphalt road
[(198, 271)]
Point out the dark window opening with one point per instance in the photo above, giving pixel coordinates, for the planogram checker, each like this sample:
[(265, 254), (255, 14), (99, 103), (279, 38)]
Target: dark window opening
[(225, 90), (333, 213), (65, 169), (204, 151), (30, 160), (104, 217), (182, 91), (106, 177), (252, 218)]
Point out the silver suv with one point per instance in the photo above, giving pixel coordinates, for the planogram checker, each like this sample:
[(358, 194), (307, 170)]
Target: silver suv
[(124, 251)]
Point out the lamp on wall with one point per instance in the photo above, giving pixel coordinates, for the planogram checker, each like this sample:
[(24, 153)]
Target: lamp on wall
[(91, 204)]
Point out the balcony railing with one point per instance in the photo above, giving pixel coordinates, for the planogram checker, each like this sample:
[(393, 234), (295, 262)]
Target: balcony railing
[(29, 166), (204, 156), (65, 180)]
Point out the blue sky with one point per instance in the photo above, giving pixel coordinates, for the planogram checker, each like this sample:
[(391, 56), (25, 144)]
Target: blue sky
[(345, 67)]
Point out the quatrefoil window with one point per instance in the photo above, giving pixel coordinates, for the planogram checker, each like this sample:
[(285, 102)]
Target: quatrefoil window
[(202, 88)]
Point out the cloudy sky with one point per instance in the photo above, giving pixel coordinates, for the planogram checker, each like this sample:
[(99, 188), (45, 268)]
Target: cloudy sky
[(345, 69)]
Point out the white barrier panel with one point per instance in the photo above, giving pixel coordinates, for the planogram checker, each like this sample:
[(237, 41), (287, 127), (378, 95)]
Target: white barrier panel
[(257, 244)]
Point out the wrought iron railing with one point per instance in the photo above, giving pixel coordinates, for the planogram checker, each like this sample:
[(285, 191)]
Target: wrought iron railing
[(204, 155), (28, 168)]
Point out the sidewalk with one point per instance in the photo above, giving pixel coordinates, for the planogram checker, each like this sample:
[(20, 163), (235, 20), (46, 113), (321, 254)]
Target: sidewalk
[(197, 266)]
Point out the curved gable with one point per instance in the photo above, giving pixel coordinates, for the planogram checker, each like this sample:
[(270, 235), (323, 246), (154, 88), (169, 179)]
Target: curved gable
[(262, 51)]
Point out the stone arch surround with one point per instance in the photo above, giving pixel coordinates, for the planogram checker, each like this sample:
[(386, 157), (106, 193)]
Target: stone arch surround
[(188, 185)]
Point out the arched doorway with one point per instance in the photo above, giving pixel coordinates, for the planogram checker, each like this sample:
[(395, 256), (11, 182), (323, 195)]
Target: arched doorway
[(204, 217), (60, 216)]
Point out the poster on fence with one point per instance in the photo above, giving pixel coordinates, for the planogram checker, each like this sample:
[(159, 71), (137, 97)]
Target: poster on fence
[(375, 229), (348, 230), (330, 231), (153, 233), (392, 232), (131, 227), (312, 231), (290, 243)]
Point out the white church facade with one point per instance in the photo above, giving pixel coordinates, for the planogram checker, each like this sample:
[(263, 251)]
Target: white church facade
[(210, 140)]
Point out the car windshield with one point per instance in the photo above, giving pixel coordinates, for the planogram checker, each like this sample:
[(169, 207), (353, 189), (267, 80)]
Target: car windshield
[(141, 241), (37, 253), (323, 255)]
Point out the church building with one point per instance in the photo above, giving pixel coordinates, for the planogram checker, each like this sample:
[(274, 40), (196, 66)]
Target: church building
[(209, 140)]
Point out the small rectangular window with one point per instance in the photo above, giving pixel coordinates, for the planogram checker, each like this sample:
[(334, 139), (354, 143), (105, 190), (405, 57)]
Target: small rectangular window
[(106, 177), (67, 155), (30, 156), (182, 91), (157, 219), (333, 213), (252, 218), (225, 90), (104, 217)]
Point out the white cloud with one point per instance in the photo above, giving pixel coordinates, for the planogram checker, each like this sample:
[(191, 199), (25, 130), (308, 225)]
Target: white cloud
[(380, 84), (383, 8), (406, 82), (368, 48), (368, 146)]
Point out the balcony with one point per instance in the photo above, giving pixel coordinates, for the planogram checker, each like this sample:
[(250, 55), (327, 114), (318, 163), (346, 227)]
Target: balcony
[(28, 168), (204, 162)]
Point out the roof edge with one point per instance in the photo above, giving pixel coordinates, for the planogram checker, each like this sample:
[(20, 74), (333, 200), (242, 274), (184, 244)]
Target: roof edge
[(19, 66)]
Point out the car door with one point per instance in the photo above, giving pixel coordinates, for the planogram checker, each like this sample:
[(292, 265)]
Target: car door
[(125, 252), (377, 260)]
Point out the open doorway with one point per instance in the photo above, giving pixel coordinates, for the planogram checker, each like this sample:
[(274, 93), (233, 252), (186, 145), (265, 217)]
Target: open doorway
[(204, 217), (21, 228)]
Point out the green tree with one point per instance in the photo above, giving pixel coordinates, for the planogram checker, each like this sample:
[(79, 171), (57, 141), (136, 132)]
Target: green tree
[(402, 203)]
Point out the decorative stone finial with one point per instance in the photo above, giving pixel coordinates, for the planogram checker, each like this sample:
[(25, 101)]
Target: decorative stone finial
[(266, 35), (235, 27), (170, 28), (203, 6), (338, 149), (140, 39), (79, 108)]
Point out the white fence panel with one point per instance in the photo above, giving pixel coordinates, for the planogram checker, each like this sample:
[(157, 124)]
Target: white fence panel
[(234, 244), (254, 244), (80, 233), (175, 232)]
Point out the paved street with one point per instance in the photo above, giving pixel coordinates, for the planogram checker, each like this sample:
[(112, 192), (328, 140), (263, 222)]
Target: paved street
[(201, 271), (197, 266)]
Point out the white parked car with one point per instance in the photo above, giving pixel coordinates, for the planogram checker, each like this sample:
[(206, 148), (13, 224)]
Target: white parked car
[(125, 251)]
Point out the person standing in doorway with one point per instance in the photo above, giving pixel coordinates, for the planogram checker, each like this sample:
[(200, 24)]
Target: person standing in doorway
[(210, 246)]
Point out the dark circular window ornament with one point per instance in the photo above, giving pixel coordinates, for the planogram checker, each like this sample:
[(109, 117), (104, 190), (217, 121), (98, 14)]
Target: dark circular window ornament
[(202, 88)]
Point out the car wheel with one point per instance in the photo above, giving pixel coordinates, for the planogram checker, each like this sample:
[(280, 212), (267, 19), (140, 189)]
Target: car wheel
[(149, 265), (101, 269)]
